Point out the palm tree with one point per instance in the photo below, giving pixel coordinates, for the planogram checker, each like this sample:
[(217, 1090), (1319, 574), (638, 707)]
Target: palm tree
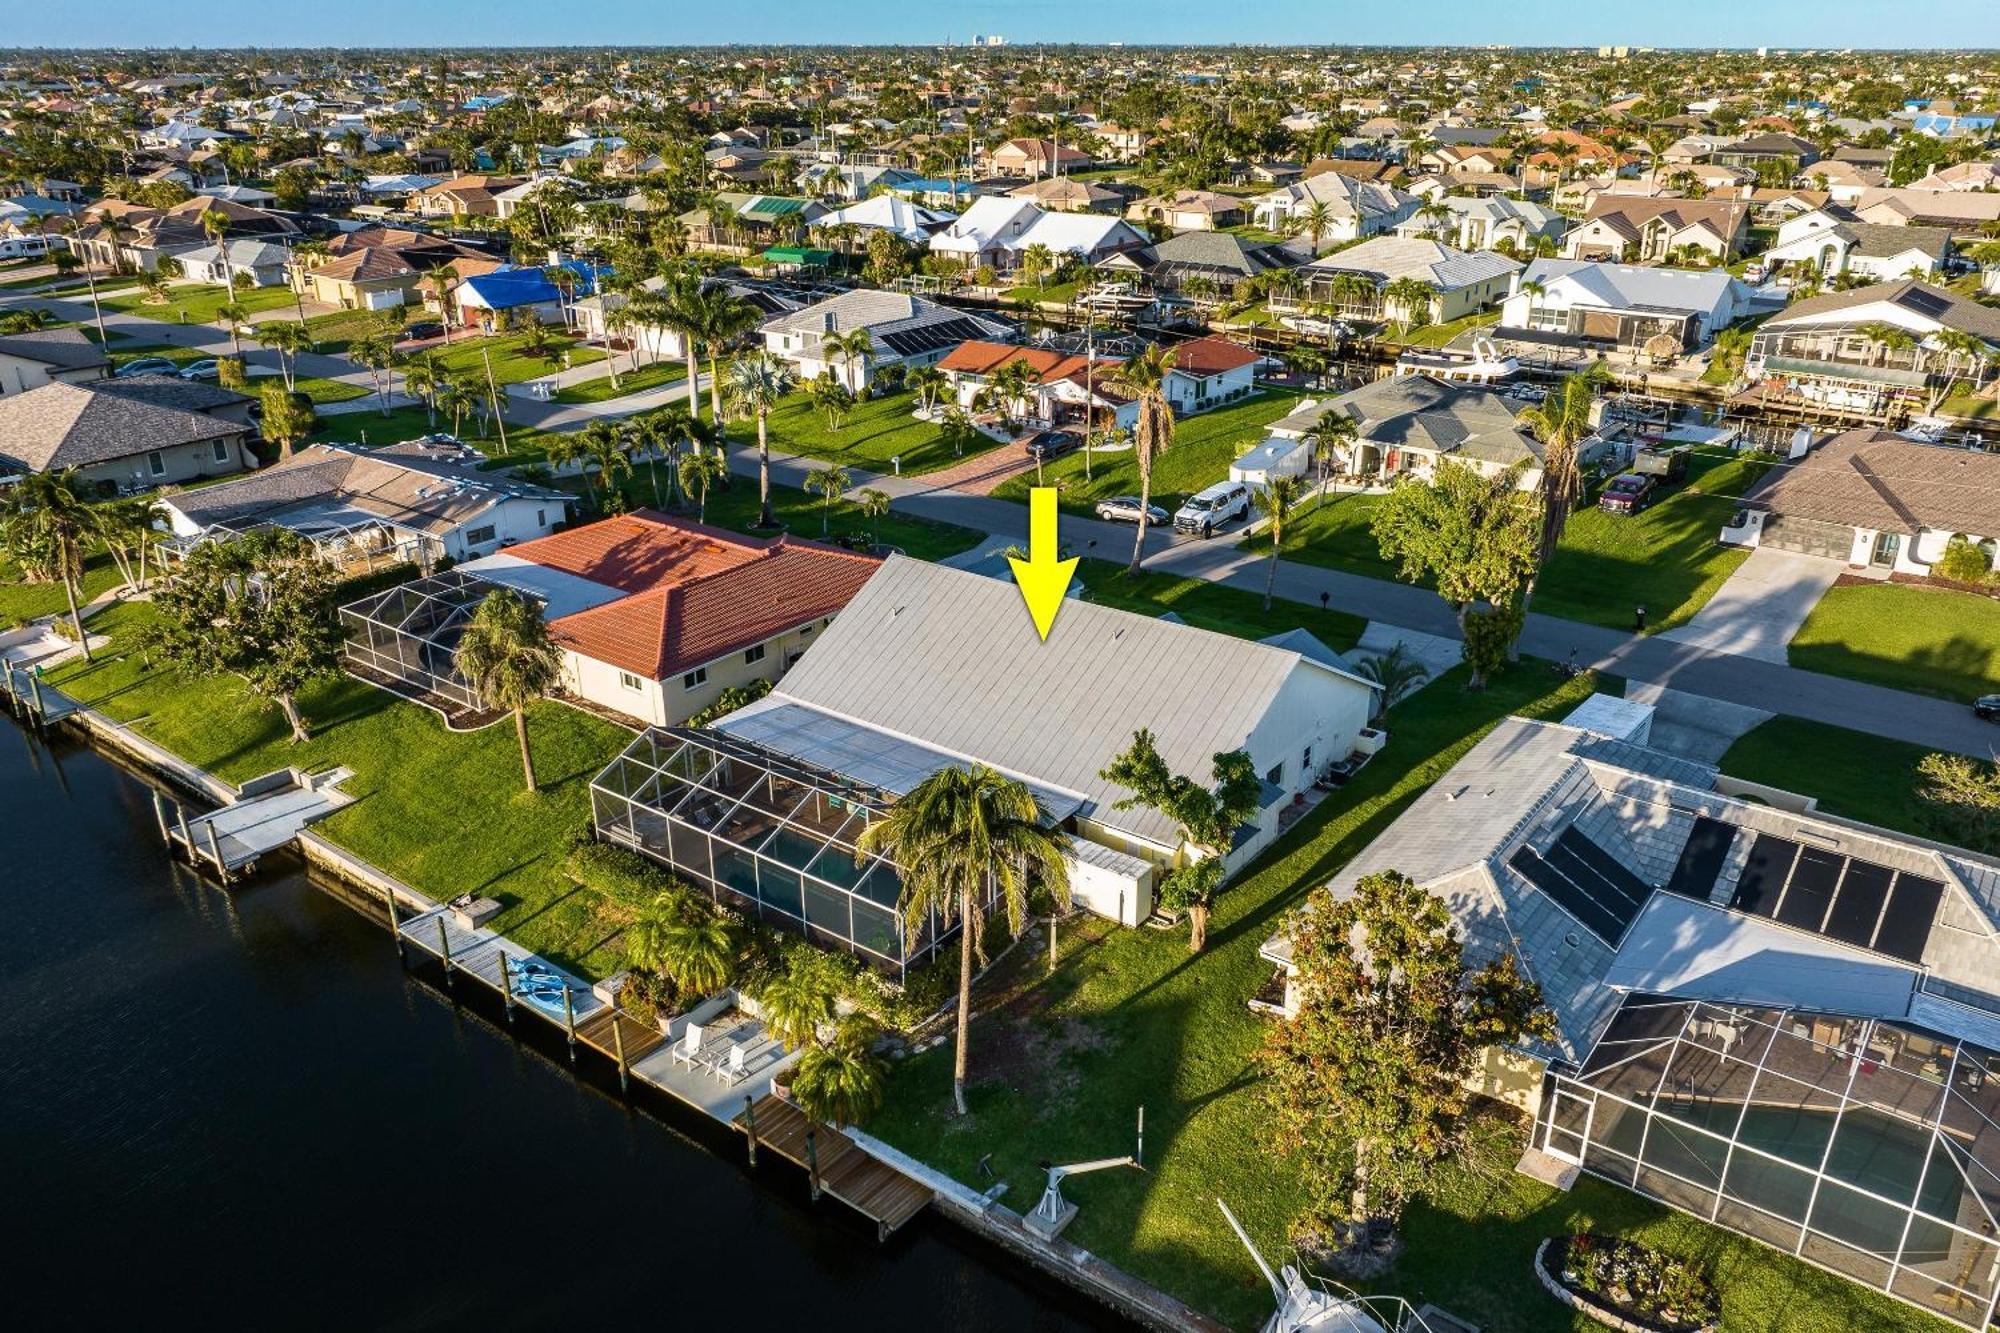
[(724, 318), (926, 382), (126, 526), (230, 315), (605, 444), (697, 472), (800, 999), (1277, 497), (1144, 378), (1395, 673), (847, 350), (287, 339), (1036, 261), (961, 838), (425, 379), (215, 226), (441, 280), (306, 256), (42, 512), (1327, 436), (1413, 297), (829, 483), (756, 385), (457, 396), (1313, 220), (1561, 421), (874, 506), (839, 1082), (695, 951), (376, 353), (507, 658)]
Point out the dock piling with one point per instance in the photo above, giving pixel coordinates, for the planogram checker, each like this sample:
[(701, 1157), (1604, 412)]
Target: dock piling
[(187, 834), (444, 949), (35, 690), (160, 814), (215, 850), (569, 1021), (507, 988), (750, 1125), (395, 929), (618, 1040), (812, 1162)]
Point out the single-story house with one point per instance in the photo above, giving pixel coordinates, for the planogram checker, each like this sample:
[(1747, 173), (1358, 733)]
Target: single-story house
[(470, 195), (1066, 384), (415, 502), (1961, 211), (1482, 224), (1736, 980), (521, 292), (1820, 349), (1066, 194), (1223, 259), (891, 213), (127, 434), (264, 262), (752, 219), (1866, 250), (655, 616), (1210, 372), (40, 356), (1189, 210), (1037, 157), (1874, 500), (1407, 423), (1624, 306), (924, 669), (903, 329), (657, 340)]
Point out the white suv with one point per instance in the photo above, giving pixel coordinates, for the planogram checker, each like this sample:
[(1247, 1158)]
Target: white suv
[(1221, 503)]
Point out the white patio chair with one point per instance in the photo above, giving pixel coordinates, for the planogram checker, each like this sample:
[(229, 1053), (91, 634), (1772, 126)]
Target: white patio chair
[(687, 1050), (730, 1069)]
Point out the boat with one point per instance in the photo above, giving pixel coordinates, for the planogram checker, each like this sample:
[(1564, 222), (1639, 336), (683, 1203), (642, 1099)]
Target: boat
[(1485, 364), (1115, 298), (1310, 1304)]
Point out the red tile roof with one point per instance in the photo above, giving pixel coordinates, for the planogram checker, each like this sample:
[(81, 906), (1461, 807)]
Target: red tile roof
[(1212, 356), (696, 593), (976, 357)]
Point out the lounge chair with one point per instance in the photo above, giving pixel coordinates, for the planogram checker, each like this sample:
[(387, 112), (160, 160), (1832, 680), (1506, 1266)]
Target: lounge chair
[(688, 1050)]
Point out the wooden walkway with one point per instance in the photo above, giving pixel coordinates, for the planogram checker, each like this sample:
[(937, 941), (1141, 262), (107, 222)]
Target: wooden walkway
[(870, 1186), (619, 1035)]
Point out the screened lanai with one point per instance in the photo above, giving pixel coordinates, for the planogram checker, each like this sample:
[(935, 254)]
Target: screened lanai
[(1868, 1147), (403, 639), (770, 835)]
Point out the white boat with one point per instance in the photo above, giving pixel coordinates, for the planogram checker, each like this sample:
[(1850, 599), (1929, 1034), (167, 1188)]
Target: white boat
[(1926, 430), (1115, 296), (1484, 365), (1314, 1305)]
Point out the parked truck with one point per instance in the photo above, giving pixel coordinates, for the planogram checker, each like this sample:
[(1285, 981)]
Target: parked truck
[(1668, 465)]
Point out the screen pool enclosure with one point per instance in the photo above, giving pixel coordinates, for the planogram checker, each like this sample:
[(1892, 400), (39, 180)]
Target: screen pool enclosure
[(768, 835), (404, 639), (1866, 1147)]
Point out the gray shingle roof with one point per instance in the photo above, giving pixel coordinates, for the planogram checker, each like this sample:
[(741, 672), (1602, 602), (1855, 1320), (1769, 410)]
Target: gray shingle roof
[(66, 349), (61, 425), (1459, 420), (1918, 299), (1385, 259)]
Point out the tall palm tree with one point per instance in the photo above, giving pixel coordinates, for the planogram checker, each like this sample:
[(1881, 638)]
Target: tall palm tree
[(605, 444), (376, 353), (215, 226), (1277, 497), (508, 659), (287, 339), (926, 382), (847, 350), (874, 506), (1413, 297), (725, 317), (1326, 436), (829, 483), (962, 837), (683, 310), (306, 256), (43, 512), (1144, 378), (230, 315), (839, 1082), (756, 385), (441, 280), (1561, 421), (696, 473), (424, 378), (1314, 219), (126, 526)]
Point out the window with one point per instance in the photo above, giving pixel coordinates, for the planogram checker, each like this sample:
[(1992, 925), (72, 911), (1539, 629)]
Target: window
[(222, 451), (479, 535), (1276, 774), (695, 679), (156, 462), (1306, 760), (541, 518), (755, 654), (804, 630), (628, 680)]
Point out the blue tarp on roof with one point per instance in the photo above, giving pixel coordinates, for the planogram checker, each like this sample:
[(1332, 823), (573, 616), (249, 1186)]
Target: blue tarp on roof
[(508, 289), (927, 186)]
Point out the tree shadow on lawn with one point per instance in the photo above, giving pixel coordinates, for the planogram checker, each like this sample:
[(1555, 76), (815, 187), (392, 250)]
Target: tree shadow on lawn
[(1960, 668)]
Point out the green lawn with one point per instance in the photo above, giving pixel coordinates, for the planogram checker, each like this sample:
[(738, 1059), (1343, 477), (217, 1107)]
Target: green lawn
[(512, 361), (1931, 640), (319, 390), (1438, 335), (444, 811), (197, 305), (872, 434), (21, 601), (1130, 1019), (1851, 773), (1214, 606), (1204, 447), (650, 376), (334, 333), (1666, 558), (407, 423)]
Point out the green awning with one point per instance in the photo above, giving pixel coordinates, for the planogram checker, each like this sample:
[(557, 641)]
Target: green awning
[(803, 256), (772, 206)]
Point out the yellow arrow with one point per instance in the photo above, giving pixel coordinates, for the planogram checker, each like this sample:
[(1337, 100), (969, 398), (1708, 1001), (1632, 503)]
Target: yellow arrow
[(1043, 579)]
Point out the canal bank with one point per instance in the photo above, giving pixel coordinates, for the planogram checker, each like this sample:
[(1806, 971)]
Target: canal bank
[(872, 1173), (237, 1107)]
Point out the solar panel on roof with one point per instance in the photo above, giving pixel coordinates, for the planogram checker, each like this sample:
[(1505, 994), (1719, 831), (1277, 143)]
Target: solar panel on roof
[(1809, 893), (1923, 302), (1587, 882), (1906, 921), (1764, 875), (1858, 909), (1841, 897), (1701, 859)]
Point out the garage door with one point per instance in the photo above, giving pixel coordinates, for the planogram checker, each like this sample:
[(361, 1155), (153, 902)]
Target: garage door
[(1808, 536)]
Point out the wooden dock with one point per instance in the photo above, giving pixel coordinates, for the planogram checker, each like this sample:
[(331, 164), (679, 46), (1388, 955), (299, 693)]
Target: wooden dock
[(865, 1183), (269, 813)]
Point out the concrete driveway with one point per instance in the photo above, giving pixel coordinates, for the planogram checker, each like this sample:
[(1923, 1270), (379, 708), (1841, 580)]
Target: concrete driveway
[(1761, 606)]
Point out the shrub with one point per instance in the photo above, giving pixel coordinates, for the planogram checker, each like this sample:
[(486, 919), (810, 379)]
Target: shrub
[(1638, 1281), (1963, 561), (626, 878)]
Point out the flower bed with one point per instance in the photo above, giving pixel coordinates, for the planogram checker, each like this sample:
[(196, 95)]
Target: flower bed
[(1628, 1285)]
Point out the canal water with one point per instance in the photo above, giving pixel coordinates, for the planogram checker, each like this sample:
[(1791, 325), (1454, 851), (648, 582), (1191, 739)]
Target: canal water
[(239, 1110)]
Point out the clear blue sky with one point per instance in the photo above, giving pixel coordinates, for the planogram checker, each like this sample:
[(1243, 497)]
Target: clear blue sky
[(1698, 23)]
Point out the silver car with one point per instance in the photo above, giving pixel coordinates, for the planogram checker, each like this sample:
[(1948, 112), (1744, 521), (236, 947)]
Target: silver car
[(1125, 509)]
